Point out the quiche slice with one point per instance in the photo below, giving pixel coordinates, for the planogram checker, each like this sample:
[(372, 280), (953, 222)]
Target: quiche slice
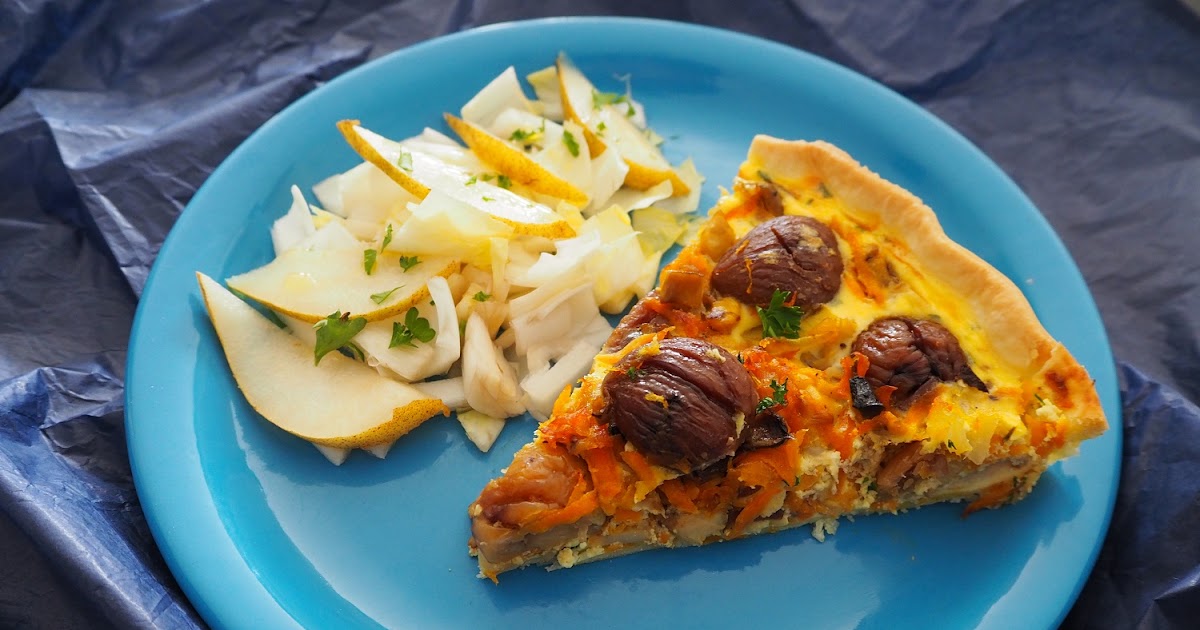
[(820, 349)]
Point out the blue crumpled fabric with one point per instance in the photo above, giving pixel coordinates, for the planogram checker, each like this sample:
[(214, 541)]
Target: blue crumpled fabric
[(113, 113)]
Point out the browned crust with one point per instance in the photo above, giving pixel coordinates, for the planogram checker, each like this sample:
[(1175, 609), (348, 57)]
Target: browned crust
[(999, 307)]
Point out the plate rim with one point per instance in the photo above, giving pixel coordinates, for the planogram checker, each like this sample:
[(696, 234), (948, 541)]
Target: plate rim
[(222, 607)]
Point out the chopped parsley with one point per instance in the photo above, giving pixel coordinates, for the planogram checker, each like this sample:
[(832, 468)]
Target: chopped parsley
[(520, 135), (823, 190), (569, 140), (950, 444), (408, 262), (778, 396), (1039, 398), (381, 297), (387, 237), (601, 127), (600, 99), (779, 320), (487, 177), (503, 181), (481, 296), (371, 255), (335, 332), (471, 182), (405, 160), (486, 198), (414, 327), (633, 373), (630, 112)]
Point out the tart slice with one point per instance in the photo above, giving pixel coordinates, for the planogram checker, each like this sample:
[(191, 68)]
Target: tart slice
[(820, 349)]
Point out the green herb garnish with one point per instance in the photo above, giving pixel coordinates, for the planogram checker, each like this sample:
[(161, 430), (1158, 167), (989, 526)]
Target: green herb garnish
[(601, 127), (600, 99), (405, 160), (471, 182), (823, 190), (335, 332), (481, 296), (503, 181), (572, 146), (486, 198), (414, 327), (779, 320), (633, 373), (387, 237), (408, 262), (778, 396), (371, 255), (520, 135), (379, 298)]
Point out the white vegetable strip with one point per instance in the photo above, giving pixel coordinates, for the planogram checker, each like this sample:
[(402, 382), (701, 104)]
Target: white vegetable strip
[(450, 391), (336, 456), (543, 387), (293, 227), (447, 342), (489, 380), (380, 450), (480, 428), (502, 93)]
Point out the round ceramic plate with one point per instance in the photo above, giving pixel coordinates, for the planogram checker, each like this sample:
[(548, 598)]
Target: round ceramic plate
[(261, 531)]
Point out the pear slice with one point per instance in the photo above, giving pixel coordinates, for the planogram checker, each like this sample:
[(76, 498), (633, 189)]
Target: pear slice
[(606, 125), (312, 284), (515, 163), (339, 403), (423, 172)]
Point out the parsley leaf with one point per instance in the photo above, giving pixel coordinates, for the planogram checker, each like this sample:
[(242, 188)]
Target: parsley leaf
[(414, 327), (471, 182), (823, 190), (336, 331), (369, 257), (630, 112), (408, 262), (486, 198), (779, 320), (487, 177), (503, 181), (405, 160), (601, 127), (526, 137), (380, 298), (777, 397), (600, 99), (387, 237), (572, 145), (633, 373), (482, 297)]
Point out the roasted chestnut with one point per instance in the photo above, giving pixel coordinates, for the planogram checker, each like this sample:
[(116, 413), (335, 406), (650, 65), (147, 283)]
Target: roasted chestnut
[(685, 402), (788, 253)]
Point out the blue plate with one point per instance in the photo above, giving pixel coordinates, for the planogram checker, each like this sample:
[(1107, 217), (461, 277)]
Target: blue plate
[(262, 532)]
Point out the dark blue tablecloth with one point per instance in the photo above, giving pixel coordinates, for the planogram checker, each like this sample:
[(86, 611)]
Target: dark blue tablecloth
[(113, 113)]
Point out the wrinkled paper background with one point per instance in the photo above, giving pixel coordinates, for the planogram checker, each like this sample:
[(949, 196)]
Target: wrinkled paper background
[(113, 113)]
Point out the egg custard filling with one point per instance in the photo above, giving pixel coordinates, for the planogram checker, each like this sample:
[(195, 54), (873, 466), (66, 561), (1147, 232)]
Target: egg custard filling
[(820, 349)]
